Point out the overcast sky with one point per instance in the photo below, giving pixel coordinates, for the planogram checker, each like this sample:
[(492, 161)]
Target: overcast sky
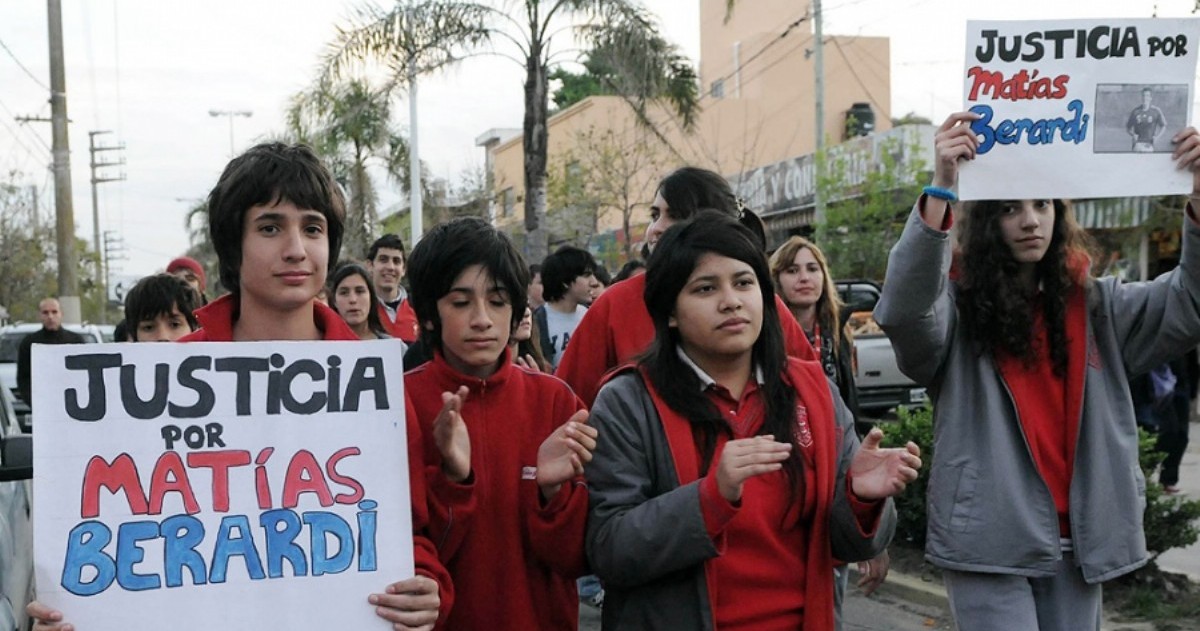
[(151, 71)]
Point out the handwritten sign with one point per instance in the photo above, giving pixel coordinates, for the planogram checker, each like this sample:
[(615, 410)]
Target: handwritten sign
[(1078, 108), (210, 486)]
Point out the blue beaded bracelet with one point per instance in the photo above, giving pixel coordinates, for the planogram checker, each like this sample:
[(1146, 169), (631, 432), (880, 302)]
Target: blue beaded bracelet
[(940, 193)]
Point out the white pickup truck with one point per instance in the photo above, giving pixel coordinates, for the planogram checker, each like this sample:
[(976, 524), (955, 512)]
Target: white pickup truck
[(881, 385)]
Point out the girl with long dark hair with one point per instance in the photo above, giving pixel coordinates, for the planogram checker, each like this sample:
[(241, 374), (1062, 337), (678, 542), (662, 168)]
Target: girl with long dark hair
[(1035, 493), (729, 475)]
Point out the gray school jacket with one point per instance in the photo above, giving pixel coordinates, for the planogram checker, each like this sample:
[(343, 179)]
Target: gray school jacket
[(645, 536), (988, 508)]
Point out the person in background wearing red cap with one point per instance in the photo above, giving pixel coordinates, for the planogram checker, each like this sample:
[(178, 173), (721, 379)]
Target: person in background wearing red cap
[(190, 270)]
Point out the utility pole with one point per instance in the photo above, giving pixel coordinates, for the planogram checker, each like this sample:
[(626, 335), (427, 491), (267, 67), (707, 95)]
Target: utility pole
[(64, 213), (819, 72), (414, 159), (114, 250), (416, 206), (97, 178)]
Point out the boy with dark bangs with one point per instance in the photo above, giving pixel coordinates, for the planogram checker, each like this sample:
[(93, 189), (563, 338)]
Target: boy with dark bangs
[(505, 445), (276, 219), (159, 309)]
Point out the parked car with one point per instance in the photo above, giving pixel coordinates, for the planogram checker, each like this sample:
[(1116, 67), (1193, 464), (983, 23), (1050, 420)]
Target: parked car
[(16, 528), (881, 385), (107, 332), (10, 343)]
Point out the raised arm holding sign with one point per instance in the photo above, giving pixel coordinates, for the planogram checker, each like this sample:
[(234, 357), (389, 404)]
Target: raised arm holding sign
[(1034, 496)]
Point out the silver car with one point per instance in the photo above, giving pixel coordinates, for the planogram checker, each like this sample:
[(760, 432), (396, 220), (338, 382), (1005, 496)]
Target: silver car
[(16, 528)]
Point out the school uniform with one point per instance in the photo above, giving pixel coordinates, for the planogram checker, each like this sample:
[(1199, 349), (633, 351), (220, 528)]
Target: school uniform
[(216, 321), (514, 557), (1035, 492), (675, 554), (400, 322)]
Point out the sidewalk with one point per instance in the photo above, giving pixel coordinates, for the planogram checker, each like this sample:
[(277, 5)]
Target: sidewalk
[(1187, 560)]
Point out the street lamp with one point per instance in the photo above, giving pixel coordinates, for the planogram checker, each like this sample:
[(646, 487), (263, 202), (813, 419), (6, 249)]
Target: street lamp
[(230, 114)]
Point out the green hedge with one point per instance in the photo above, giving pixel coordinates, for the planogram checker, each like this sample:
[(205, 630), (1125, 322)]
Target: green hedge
[(1170, 521)]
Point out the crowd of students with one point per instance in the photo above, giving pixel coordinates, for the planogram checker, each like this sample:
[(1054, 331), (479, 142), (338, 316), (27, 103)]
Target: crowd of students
[(695, 447)]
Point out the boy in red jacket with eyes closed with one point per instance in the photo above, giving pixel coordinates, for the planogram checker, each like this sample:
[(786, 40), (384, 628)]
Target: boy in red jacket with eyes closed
[(504, 446)]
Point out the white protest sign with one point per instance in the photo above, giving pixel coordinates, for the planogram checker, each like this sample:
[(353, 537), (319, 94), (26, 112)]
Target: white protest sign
[(220, 485), (1078, 108)]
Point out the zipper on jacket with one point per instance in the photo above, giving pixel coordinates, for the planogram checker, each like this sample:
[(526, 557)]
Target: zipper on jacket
[(1012, 401)]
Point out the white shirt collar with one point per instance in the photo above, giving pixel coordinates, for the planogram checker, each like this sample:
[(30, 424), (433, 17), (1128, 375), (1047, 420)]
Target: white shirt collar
[(706, 380)]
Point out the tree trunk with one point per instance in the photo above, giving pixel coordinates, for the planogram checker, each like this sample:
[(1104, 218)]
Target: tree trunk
[(356, 236), (536, 112), (626, 216)]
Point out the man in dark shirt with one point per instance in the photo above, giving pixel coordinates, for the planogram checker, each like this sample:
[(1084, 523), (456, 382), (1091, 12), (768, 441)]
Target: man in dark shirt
[(1146, 123), (51, 333)]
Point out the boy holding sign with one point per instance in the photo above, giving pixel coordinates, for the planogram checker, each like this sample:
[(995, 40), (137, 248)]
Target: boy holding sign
[(276, 219), (508, 506), (1035, 494)]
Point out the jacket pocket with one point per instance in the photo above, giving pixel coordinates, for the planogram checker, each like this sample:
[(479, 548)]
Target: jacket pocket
[(964, 513)]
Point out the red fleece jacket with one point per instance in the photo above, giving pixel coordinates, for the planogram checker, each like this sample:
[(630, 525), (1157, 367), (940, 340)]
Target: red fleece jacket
[(1049, 406), (513, 557), (405, 324), (217, 318), (617, 327)]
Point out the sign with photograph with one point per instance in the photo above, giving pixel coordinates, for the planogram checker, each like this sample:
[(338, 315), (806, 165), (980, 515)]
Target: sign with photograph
[(220, 485), (1078, 108)]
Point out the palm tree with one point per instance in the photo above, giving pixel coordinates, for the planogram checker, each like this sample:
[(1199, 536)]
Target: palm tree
[(349, 125), (413, 38), (648, 68)]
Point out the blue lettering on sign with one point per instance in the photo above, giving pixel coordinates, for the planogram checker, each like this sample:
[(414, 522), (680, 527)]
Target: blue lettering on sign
[(1040, 132), (91, 550)]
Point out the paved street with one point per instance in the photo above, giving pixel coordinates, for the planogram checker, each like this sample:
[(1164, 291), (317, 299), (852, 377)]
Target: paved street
[(896, 610), (882, 612)]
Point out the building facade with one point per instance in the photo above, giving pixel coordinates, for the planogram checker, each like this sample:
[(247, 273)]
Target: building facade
[(757, 79)]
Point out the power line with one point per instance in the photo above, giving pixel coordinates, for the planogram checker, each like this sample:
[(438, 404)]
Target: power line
[(17, 138), (778, 38), (31, 134), (22, 66), (885, 110)]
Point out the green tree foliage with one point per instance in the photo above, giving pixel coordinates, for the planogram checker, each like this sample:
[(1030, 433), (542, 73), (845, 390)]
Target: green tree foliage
[(201, 248), (914, 425), (867, 204), (350, 125), (468, 197), (415, 37), (575, 87), (1169, 522), (604, 174), (26, 251), (911, 118)]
